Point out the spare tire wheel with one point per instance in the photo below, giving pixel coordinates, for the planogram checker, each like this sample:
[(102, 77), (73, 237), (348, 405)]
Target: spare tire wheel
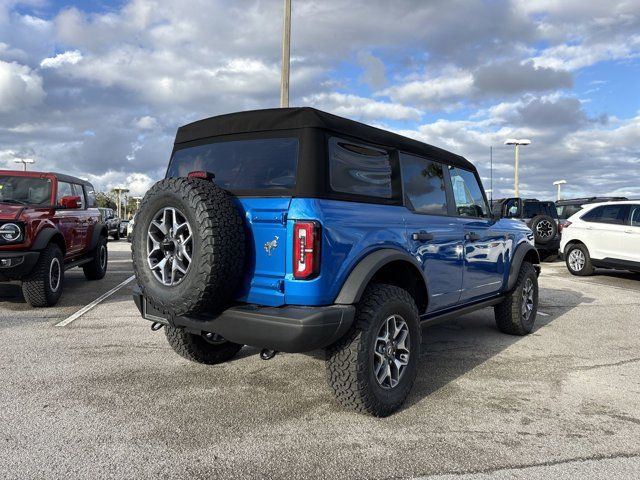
[(188, 246), (544, 228)]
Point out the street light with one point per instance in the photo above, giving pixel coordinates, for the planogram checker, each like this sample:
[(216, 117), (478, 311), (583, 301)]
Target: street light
[(24, 161), (120, 191), (286, 53), (558, 183), (517, 143)]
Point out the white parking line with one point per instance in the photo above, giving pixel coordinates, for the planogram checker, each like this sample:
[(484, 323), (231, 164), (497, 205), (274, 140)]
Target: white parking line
[(88, 307), (543, 314)]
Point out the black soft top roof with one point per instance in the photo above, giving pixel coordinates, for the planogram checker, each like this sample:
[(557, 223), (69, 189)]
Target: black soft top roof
[(306, 117), (69, 179)]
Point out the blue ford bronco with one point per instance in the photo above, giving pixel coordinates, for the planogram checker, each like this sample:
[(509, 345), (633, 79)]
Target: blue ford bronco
[(295, 230)]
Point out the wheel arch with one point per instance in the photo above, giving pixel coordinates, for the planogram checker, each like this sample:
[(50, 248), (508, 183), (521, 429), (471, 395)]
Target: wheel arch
[(385, 266), (524, 252), (100, 230), (47, 236)]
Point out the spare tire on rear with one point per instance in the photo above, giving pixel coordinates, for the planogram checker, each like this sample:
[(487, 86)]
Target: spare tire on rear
[(188, 246), (544, 229)]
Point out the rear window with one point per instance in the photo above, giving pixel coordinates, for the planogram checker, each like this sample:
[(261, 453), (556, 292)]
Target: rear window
[(242, 165), (565, 211), (359, 169)]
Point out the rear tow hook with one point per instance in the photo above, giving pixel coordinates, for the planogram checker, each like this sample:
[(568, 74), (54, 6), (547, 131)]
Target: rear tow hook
[(155, 326), (267, 354)]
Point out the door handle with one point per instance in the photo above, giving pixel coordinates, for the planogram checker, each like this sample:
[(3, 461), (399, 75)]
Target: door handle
[(628, 231), (422, 236), (472, 237)]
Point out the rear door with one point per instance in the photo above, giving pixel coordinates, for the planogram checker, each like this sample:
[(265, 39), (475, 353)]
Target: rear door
[(435, 239), (68, 220), (484, 242), (606, 227), (631, 237)]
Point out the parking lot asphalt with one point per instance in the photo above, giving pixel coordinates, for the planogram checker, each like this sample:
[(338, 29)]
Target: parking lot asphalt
[(104, 397)]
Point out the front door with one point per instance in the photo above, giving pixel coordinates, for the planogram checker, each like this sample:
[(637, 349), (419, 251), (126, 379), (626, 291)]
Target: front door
[(484, 243), (434, 238)]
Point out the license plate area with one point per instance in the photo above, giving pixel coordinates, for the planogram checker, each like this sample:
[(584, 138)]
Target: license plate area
[(150, 313)]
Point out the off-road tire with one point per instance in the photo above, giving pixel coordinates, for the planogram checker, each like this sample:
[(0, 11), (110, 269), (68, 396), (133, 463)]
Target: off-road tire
[(587, 269), (37, 288), (550, 222), (197, 349), (508, 313), (96, 269), (349, 362), (217, 264)]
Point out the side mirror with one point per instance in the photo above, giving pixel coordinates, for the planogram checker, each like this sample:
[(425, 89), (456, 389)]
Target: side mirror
[(70, 202)]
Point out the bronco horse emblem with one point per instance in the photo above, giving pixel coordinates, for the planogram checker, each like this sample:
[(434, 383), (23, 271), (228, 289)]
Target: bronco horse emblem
[(271, 245)]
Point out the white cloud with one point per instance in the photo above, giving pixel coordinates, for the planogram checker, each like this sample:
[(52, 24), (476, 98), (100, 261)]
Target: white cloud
[(137, 183), (146, 123), (67, 58), (361, 108), (436, 92), (20, 87)]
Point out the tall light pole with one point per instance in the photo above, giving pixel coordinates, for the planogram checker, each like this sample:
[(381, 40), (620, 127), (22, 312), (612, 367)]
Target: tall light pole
[(119, 191), (558, 183), (286, 54), (24, 161), (517, 143)]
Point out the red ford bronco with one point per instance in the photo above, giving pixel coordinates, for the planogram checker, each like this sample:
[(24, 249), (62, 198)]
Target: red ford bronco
[(48, 224)]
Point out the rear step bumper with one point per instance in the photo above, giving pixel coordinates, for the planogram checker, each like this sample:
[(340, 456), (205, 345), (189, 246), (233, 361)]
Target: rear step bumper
[(285, 329)]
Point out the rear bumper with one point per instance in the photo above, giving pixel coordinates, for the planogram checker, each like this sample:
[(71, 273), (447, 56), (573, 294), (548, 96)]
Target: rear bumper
[(285, 329), (552, 245), (15, 265)]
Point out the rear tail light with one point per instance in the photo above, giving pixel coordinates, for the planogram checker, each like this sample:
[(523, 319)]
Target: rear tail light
[(306, 250), (563, 225)]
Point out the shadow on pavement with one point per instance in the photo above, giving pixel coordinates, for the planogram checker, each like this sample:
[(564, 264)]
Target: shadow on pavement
[(452, 349)]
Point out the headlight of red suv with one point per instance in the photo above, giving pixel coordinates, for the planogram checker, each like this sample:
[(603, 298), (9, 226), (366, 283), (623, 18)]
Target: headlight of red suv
[(10, 232)]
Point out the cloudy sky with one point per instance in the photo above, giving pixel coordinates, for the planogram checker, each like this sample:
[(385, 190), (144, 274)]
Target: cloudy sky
[(98, 88)]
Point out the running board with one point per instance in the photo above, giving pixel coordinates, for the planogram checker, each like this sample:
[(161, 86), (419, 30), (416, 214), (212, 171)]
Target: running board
[(77, 263), (434, 319)]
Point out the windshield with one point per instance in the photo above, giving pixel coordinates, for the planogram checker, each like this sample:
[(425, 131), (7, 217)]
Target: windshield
[(25, 190), (257, 164)]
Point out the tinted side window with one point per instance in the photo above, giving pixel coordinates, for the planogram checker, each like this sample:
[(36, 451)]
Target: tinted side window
[(635, 215), (423, 182), (359, 169), (64, 190), (79, 192), (611, 214), (467, 193), (90, 193)]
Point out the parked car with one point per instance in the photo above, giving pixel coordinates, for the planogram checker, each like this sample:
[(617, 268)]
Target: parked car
[(123, 228), (570, 206), (130, 226), (48, 224), (112, 222), (318, 232), (603, 235), (540, 216)]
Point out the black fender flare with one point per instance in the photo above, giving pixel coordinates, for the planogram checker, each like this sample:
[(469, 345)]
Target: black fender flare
[(361, 275), (46, 236), (99, 229), (522, 250)]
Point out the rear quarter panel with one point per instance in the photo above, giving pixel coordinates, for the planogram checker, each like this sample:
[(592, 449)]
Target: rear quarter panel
[(350, 232)]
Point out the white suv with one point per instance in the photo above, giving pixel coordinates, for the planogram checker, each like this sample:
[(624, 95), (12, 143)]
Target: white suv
[(603, 235)]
